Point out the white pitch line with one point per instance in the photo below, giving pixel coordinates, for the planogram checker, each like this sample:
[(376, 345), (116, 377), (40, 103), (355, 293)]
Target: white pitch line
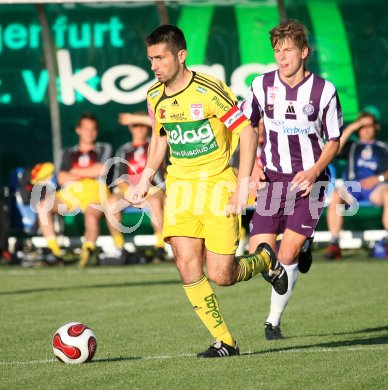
[(28, 362), (162, 357), (245, 354)]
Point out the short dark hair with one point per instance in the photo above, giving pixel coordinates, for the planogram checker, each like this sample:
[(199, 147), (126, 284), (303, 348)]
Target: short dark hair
[(87, 115), (290, 29), (171, 35)]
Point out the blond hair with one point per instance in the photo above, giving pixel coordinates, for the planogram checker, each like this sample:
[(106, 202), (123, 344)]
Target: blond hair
[(293, 30)]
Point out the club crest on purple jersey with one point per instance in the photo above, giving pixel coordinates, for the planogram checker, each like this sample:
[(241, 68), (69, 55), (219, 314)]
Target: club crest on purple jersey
[(308, 109)]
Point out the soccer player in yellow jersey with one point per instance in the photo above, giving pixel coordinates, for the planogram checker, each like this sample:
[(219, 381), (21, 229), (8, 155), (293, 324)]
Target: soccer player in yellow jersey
[(197, 117)]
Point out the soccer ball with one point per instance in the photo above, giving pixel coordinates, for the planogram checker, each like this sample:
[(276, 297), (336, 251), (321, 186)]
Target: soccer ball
[(74, 343)]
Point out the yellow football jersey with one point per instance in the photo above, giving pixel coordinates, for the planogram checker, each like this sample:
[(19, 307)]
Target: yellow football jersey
[(201, 122)]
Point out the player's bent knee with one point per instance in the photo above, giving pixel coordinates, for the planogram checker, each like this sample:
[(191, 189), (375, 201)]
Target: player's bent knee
[(188, 270), (222, 280), (289, 260)]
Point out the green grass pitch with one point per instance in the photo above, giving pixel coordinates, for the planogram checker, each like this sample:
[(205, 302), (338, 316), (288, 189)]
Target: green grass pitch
[(336, 327)]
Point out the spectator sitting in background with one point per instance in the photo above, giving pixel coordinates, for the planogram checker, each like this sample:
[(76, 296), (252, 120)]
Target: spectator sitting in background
[(127, 174), (367, 163), (80, 167)]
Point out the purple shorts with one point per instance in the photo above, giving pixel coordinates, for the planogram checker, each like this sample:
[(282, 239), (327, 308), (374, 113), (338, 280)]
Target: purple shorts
[(278, 208)]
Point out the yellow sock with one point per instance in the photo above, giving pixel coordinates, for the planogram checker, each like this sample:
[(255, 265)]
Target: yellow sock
[(89, 245), (52, 244), (205, 305), (118, 239), (251, 265), (159, 240)]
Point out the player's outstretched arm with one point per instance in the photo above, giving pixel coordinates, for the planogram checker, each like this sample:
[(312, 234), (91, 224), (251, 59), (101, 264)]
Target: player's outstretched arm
[(156, 154), (248, 146)]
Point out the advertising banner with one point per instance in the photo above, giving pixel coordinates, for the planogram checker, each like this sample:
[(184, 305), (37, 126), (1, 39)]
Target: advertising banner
[(102, 64)]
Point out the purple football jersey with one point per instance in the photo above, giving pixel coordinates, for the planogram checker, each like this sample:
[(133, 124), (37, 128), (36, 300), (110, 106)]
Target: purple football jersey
[(296, 120)]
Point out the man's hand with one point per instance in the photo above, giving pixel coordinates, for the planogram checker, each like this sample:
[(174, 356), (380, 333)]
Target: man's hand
[(258, 177), (239, 199), (137, 196), (304, 180)]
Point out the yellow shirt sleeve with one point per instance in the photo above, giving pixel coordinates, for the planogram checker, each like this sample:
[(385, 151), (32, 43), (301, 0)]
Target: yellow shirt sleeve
[(156, 126), (224, 106)]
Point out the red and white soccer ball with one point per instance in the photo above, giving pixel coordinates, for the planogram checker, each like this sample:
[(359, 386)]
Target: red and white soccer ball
[(74, 343)]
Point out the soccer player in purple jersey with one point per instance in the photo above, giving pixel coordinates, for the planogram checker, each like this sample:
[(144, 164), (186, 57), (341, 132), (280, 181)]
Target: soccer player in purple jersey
[(299, 110)]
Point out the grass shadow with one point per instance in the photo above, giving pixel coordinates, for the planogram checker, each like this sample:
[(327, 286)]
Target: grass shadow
[(110, 285), (367, 330), (115, 359), (380, 340)]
